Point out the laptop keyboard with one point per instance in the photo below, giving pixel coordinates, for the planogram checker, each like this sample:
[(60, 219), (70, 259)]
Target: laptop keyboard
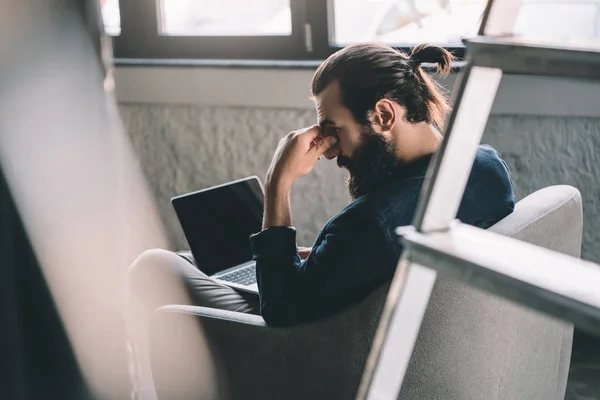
[(244, 276)]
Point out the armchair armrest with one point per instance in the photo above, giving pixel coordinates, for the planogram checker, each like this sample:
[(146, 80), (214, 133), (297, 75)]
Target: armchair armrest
[(216, 314), (199, 352)]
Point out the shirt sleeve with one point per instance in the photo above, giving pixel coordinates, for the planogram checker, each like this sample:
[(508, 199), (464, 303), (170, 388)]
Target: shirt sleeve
[(352, 256)]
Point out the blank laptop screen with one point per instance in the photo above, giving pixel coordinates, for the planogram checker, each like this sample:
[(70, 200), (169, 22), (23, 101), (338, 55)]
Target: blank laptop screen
[(218, 223)]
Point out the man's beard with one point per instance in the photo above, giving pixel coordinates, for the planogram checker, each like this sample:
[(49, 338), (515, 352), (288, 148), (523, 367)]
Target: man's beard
[(373, 165)]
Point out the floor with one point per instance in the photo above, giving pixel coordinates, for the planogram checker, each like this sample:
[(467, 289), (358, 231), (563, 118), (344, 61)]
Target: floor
[(584, 375)]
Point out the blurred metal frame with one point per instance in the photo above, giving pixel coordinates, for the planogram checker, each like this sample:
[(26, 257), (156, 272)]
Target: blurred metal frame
[(80, 197)]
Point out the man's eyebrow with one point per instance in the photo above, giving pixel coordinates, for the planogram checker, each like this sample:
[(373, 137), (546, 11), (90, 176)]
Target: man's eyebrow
[(325, 123)]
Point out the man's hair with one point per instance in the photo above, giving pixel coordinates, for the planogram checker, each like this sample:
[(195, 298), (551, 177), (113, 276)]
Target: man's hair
[(369, 72)]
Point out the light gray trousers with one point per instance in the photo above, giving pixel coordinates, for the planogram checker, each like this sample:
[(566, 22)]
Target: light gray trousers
[(160, 277)]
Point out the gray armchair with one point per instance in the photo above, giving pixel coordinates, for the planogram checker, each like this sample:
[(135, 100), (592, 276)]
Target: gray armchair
[(472, 345)]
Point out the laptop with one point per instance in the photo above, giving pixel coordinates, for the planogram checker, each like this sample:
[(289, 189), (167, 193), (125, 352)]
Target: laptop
[(217, 223)]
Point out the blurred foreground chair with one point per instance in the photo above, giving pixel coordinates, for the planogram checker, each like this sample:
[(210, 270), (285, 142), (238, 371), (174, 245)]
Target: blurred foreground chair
[(472, 345)]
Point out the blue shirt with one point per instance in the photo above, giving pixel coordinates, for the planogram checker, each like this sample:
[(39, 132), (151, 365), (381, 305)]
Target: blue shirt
[(357, 250)]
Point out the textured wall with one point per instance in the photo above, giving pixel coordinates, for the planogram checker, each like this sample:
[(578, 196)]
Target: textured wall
[(185, 148), (543, 151)]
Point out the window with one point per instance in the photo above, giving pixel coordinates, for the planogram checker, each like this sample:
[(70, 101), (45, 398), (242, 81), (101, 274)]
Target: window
[(281, 29), (225, 18), (559, 19), (313, 29), (111, 16), (406, 23)]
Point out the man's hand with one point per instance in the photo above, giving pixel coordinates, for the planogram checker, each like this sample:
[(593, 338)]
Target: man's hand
[(303, 252), (297, 154)]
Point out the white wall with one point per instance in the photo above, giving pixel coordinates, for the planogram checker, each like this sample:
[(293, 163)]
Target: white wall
[(290, 88)]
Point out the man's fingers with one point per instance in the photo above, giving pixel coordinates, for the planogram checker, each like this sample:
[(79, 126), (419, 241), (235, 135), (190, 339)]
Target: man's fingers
[(322, 145), (311, 133), (326, 143)]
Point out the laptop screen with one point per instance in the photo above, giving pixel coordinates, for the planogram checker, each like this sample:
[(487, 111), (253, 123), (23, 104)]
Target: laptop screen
[(218, 222)]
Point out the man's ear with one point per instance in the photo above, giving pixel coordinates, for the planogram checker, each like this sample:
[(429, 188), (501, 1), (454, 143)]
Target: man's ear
[(384, 115)]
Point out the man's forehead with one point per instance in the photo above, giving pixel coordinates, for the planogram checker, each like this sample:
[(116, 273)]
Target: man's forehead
[(328, 100), (331, 93)]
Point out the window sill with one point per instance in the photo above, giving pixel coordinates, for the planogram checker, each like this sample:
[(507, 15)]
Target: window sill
[(216, 63), (242, 64)]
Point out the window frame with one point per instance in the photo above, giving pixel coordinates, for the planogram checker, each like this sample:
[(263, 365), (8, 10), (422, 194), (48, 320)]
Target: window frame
[(312, 28)]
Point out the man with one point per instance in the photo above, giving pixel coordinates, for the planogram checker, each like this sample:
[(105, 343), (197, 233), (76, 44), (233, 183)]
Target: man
[(378, 115)]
